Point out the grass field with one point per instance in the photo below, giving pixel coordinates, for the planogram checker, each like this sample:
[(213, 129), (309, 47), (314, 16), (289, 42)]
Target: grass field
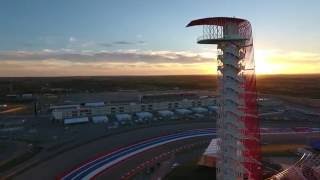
[(19, 159)]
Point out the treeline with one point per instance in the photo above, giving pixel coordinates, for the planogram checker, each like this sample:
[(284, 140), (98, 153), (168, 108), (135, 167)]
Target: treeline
[(293, 85)]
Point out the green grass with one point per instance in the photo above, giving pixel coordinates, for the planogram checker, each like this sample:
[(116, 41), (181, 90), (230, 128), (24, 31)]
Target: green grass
[(3, 147), (19, 159)]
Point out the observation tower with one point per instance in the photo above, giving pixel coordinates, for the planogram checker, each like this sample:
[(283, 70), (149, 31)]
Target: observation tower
[(239, 155)]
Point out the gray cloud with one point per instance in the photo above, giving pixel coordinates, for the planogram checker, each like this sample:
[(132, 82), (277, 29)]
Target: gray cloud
[(108, 56), (120, 43), (141, 42), (105, 44), (123, 42)]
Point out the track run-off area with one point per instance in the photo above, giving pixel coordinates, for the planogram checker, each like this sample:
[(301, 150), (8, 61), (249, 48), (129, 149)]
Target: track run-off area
[(93, 167)]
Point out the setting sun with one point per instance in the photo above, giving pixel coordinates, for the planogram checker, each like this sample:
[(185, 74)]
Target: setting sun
[(263, 64)]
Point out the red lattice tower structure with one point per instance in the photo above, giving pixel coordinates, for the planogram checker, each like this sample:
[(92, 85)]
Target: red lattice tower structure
[(239, 155)]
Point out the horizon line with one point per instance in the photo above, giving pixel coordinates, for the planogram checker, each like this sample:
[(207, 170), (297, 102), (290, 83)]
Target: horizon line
[(57, 76)]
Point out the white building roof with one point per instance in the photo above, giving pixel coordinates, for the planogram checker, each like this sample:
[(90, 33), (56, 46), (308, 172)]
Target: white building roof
[(165, 113), (183, 111), (123, 117)]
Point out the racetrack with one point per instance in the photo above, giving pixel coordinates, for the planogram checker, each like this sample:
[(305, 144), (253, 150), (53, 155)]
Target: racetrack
[(72, 158), (94, 167), (97, 166), (50, 168)]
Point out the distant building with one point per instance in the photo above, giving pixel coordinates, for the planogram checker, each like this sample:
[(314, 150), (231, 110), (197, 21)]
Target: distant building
[(149, 106)]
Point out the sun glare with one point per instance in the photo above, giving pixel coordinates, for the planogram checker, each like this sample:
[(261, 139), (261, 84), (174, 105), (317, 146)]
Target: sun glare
[(264, 63)]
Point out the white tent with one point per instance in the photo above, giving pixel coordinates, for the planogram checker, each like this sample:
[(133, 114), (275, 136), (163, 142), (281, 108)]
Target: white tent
[(199, 115), (199, 110), (58, 115), (212, 149), (165, 113), (208, 158), (144, 115), (213, 108), (99, 119), (183, 111), (123, 117)]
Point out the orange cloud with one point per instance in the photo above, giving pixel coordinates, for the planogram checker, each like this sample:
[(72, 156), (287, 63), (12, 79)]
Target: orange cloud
[(55, 63)]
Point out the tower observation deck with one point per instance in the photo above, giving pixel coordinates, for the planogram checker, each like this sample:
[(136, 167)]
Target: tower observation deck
[(239, 155)]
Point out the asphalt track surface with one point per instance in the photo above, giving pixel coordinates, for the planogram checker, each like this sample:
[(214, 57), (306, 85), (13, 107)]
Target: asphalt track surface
[(95, 167), (69, 159), (72, 158)]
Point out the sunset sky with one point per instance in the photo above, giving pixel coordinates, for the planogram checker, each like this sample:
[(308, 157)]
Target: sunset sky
[(148, 37)]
